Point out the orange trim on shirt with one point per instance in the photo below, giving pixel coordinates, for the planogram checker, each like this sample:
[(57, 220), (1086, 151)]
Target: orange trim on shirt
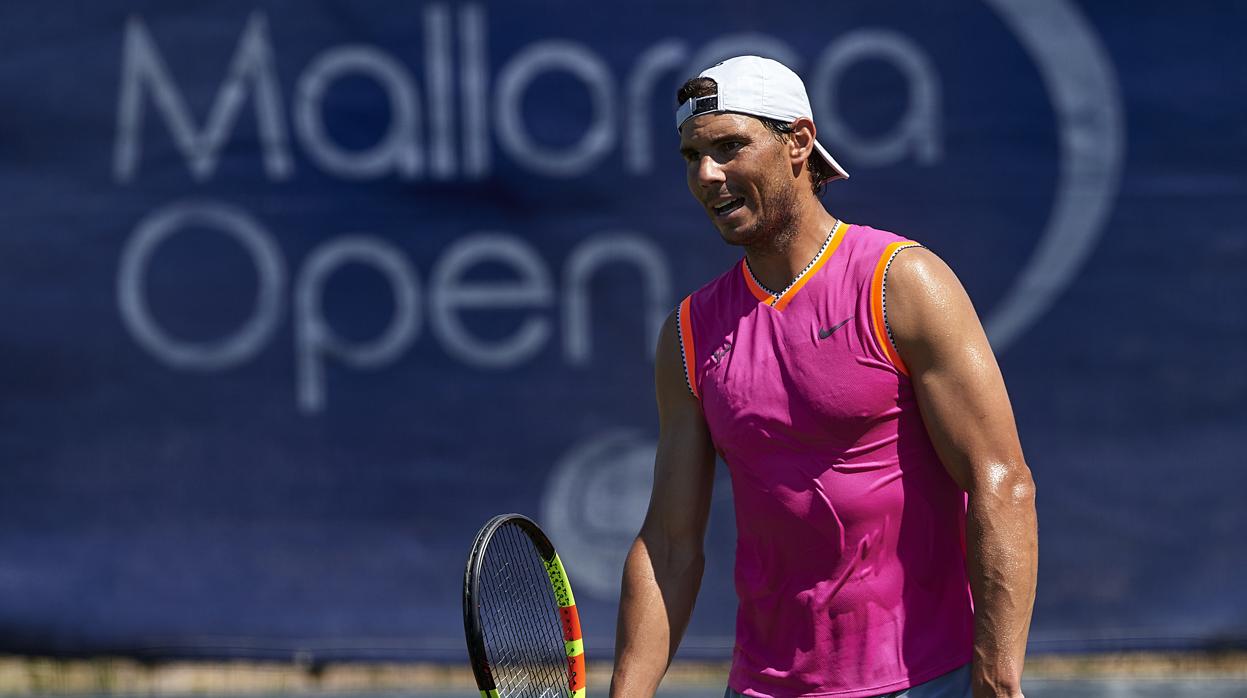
[(837, 235), (758, 292), (686, 345), (877, 301)]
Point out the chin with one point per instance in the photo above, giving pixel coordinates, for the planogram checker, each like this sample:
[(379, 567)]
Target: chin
[(739, 236)]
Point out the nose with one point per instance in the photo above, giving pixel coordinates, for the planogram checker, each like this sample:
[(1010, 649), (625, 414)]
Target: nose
[(709, 173)]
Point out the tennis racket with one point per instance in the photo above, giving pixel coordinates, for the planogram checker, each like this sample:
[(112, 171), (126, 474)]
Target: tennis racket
[(519, 614)]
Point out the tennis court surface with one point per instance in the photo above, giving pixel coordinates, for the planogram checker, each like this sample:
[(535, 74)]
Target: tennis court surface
[(1042, 688), (1145, 675)]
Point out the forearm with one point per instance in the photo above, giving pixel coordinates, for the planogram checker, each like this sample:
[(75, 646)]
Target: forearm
[(1002, 544), (659, 588)]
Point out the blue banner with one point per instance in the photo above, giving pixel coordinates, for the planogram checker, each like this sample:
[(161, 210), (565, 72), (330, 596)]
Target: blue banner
[(295, 296)]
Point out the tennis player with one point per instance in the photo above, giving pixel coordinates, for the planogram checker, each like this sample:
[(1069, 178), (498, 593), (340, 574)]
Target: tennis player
[(885, 515)]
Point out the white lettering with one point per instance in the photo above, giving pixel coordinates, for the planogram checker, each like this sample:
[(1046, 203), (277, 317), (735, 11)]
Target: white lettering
[(315, 339), (458, 95), (514, 80), (398, 150), (587, 258), (449, 293), (917, 132), (638, 150), (142, 67), (473, 62), (438, 75), (226, 352)]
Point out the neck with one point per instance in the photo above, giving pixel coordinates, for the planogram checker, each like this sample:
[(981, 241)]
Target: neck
[(785, 253)]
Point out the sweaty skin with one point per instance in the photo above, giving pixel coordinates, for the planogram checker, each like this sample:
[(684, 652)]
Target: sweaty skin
[(961, 395), (966, 410)]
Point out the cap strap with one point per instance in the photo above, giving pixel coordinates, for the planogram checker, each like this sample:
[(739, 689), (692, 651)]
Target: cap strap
[(694, 106)]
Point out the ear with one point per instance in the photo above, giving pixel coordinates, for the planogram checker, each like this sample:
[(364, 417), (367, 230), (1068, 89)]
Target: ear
[(801, 141)]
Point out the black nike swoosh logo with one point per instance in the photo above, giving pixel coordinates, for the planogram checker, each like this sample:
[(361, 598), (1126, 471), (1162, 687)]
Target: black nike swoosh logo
[(825, 332)]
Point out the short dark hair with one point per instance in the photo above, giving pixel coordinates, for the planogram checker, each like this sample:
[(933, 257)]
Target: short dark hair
[(820, 171)]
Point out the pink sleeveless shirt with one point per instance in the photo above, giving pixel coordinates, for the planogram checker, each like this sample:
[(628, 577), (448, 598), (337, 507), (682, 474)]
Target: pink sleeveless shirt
[(850, 557)]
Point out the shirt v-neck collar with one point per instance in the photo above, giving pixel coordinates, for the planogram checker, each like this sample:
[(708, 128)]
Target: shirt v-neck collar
[(780, 300)]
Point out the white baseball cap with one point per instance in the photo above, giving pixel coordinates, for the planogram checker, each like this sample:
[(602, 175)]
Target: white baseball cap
[(759, 87)]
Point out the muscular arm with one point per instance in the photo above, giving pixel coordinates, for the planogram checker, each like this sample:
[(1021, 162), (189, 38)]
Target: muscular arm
[(663, 570), (967, 414)]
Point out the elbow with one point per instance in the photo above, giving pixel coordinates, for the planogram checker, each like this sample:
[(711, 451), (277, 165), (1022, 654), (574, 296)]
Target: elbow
[(677, 556), (1022, 491), (1006, 484), (672, 554)]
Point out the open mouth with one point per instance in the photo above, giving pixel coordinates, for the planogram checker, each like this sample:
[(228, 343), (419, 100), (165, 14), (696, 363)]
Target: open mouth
[(727, 207)]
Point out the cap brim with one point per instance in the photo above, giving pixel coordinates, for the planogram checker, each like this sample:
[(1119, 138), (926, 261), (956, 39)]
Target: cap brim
[(841, 173)]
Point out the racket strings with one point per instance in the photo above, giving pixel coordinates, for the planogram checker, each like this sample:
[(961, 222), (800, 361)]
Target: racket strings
[(514, 652), (550, 663), (520, 619), (527, 564), (527, 664)]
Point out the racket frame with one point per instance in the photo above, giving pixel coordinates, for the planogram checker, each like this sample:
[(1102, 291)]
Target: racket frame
[(569, 616)]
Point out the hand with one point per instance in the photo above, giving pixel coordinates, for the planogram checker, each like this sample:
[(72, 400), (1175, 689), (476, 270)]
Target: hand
[(982, 690), (985, 686), (1002, 693)]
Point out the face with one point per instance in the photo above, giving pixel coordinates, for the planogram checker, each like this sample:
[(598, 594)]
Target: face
[(741, 174)]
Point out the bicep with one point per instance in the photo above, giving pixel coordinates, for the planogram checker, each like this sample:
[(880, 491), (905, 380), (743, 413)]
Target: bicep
[(684, 463), (956, 379)]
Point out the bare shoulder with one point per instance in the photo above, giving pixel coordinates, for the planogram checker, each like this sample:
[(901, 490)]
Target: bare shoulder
[(670, 377), (924, 296), (919, 274), (930, 315), (667, 335), (667, 356)]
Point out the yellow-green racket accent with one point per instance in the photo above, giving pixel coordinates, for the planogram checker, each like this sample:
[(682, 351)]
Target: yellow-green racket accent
[(558, 580)]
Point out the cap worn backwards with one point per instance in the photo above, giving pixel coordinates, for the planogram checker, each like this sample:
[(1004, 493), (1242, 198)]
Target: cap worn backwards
[(758, 87)]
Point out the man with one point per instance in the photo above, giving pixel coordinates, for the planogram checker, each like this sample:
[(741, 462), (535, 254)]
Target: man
[(885, 515)]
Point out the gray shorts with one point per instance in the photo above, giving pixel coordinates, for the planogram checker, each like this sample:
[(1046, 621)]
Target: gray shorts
[(954, 684)]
